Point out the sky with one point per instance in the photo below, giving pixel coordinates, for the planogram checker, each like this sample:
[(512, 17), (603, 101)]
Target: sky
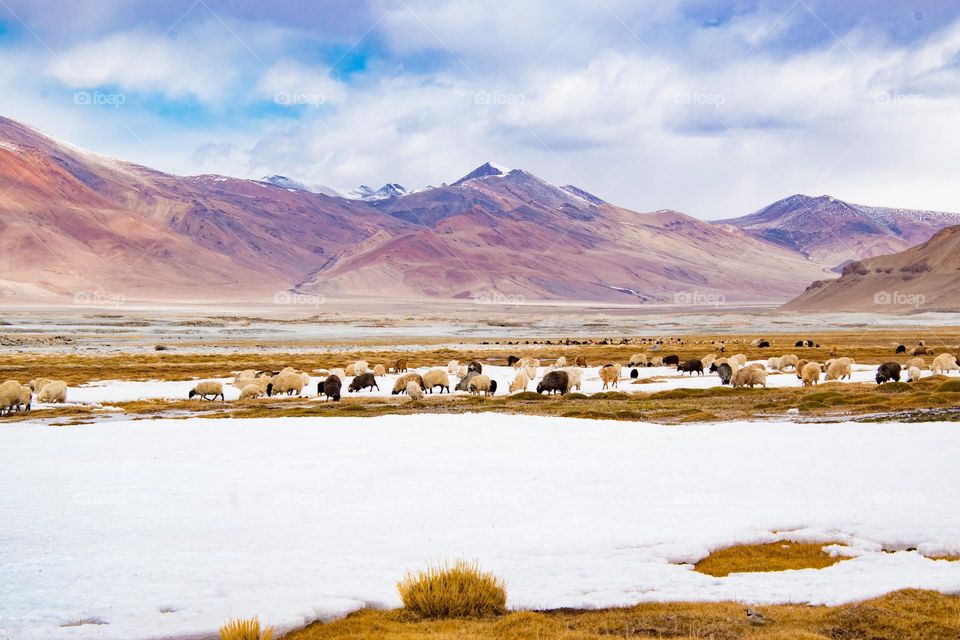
[(711, 108)]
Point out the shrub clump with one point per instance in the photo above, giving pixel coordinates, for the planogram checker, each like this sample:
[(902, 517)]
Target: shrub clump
[(248, 629), (952, 385), (457, 590)]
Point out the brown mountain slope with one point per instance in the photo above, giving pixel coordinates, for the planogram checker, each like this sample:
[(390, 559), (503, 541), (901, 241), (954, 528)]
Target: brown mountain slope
[(925, 277), (513, 234), (832, 232)]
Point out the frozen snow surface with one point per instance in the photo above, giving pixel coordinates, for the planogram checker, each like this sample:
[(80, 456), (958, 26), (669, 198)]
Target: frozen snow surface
[(167, 528)]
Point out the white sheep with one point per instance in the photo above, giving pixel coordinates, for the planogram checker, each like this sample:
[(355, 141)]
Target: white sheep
[(637, 360), (351, 370), (251, 392), (610, 374), (453, 366), (919, 363), (481, 383), (379, 370), (560, 363), (436, 378), (913, 374), (38, 383), (414, 391), (55, 391), (741, 359), (838, 370), (573, 378), (749, 377), (203, 389), (9, 396), (531, 371), (810, 374), (461, 370), (288, 383), (360, 367), (789, 360), (944, 363), (520, 382), (340, 373)]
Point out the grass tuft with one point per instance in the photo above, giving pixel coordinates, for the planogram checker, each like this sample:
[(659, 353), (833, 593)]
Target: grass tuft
[(950, 385), (246, 629), (456, 590)]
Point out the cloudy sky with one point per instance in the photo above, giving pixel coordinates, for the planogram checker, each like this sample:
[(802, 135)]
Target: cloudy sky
[(713, 108)]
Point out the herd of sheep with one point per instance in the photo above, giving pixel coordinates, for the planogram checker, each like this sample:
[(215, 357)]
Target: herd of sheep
[(19, 397), (559, 377)]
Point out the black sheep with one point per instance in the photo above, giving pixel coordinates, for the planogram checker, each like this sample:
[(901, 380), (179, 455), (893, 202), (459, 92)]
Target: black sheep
[(634, 373), (690, 366), (364, 381), (798, 343), (475, 367), (763, 344), (511, 360), (671, 360), (725, 372), (554, 381), (901, 348), (888, 371), (330, 388)]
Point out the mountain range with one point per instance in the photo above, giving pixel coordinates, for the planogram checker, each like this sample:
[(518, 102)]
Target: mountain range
[(73, 221)]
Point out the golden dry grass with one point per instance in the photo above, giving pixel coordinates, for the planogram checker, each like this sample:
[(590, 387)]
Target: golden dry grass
[(903, 615), (453, 590), (245, 629), (773, 556)]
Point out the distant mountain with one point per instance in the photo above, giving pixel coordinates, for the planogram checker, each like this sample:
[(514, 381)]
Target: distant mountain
[(584, 195), (923, 278), (289, 183), (498, 232), (389, 190), (832, 232)]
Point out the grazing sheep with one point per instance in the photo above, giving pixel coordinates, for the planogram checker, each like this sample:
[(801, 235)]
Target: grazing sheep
[(379, 370), (913, 374), (741, 359), (38, 383), (810, 374), (560, 363), (453, 366), (921, 349), (789, 360), (581, 362), (531, 372), (671, 360), (56, 391), (363, 381), (330, 387), (888, 371), (750, 377), (520, 382), (360, 367), (25, 400), (399, 366), (774, 364), (554, 382), (838, 370), (351, 370), (287, 382), (475, 367), (800, 365), (9, 396), (203, 389), (919, 363), (340, 373), (436, 378), (610, 374), (725, 372), (250, 392), (481, 384), (656, 361), (400, 386), (944, 363), (900, 349), (690, 366), (708, 360), (414, 390), (260, 383), (637, 360), (573, 378), (512, 360)]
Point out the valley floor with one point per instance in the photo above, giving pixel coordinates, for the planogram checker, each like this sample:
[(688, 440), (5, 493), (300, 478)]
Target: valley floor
[(145, 529)]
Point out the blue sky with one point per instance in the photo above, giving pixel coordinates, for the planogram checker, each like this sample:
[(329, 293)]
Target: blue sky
[(713, 108)]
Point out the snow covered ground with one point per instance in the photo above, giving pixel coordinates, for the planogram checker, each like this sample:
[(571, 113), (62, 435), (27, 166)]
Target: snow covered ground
[(167, 528), (657, 379)]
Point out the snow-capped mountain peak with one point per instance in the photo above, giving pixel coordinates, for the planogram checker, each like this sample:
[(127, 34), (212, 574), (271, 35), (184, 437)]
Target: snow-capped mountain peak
[(389, 190), (486, 170), (286, 183)]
